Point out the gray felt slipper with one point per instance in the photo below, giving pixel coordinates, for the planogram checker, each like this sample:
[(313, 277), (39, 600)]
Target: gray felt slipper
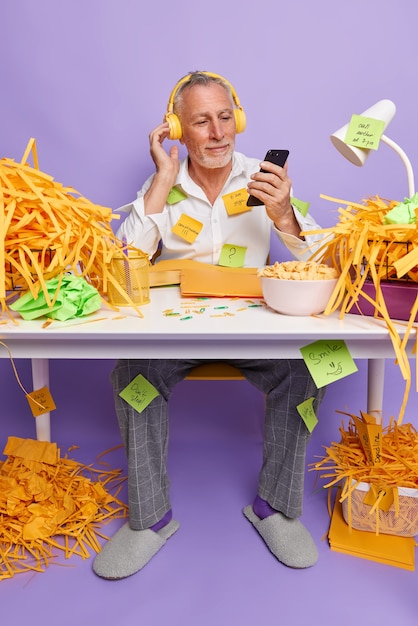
[(286, 538), (129, 550)]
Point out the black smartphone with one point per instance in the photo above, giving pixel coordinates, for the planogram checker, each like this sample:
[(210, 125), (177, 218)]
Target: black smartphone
[(279, 157)]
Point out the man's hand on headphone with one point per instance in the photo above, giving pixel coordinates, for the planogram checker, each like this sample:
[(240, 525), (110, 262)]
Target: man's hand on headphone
[(167, 164)]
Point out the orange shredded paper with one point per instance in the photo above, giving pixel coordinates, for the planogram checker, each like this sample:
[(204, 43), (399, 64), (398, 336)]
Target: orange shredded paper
[(47, 229), (50, 504), (346, 464), (361, 246)]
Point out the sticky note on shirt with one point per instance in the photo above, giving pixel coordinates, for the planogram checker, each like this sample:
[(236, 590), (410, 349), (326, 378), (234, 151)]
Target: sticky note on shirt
[(236, 202), (232, 256), (187, 228), (176, 195)]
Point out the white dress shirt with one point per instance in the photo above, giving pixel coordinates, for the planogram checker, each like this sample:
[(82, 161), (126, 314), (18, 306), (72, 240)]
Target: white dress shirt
[(250, 229)]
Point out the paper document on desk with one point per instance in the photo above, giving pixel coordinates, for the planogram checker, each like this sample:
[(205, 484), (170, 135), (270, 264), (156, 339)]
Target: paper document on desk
[(221, 282), (202, 279)]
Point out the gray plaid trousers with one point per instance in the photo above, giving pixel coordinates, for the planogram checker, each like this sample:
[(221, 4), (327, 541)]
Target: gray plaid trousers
[(285, 383)]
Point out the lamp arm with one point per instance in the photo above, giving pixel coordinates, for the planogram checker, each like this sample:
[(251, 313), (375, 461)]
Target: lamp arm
[(405, 160)]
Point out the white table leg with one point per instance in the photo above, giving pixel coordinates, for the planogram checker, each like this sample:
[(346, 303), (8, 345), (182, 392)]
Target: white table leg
[(375, 387), (40, 378)]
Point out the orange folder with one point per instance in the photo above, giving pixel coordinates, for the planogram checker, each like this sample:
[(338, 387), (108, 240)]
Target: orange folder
[(203, 279), (389, 549)]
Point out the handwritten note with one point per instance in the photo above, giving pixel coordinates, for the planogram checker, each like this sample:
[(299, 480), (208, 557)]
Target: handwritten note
[(364, 132), (139, 393), (187, 228), (232, 256), (176, 195), (307, 413), (370, 435), (328, 360), (236, 202), (40, 401)]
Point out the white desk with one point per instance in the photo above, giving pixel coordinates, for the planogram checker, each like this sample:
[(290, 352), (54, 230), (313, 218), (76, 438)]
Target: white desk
[(249, 332)]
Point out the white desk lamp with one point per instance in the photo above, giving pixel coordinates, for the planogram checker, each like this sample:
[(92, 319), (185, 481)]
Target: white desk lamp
[(383, 110)]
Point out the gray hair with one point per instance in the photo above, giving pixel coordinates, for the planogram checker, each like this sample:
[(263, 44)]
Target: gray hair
[(198, 78)]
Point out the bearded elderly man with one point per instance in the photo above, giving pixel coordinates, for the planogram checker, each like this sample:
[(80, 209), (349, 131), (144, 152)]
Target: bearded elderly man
[(205, 117)]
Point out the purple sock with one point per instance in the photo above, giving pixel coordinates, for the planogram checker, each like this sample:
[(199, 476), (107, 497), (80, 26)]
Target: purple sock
[(163, 521), (262, 508)]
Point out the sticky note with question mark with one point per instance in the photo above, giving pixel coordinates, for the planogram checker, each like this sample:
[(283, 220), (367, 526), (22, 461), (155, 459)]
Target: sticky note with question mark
[(232, 256)]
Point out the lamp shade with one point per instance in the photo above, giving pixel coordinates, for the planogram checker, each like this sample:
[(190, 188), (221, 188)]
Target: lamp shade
[(384, 110)]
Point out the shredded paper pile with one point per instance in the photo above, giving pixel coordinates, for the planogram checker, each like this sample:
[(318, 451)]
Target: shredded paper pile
[(51, 505)]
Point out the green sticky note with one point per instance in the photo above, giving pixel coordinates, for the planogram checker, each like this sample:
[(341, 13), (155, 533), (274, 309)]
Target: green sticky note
[(300, 205), (139, 393), (307, 413), (328, 360), (364, 132), (176, 195), (232, 256)]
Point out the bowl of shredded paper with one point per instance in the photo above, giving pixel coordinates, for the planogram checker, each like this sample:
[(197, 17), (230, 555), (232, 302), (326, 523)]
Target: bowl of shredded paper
[(298, 287)]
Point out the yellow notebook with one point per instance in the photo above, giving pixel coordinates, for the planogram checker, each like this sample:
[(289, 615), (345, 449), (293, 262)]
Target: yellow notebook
[(388, 549)]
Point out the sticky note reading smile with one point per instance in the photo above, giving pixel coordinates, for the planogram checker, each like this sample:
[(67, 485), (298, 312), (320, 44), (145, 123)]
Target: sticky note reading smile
[(328, 360), (187, 228)]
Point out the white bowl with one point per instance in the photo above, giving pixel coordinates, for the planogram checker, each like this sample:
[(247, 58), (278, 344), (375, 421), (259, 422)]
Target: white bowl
[(297, 297)]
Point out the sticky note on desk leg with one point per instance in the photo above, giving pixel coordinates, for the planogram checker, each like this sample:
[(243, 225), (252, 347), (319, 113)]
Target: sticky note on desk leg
[(40, 401), (139, 393)]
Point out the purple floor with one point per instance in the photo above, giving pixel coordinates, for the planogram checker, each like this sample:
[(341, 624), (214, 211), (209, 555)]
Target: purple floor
[(215, 570)]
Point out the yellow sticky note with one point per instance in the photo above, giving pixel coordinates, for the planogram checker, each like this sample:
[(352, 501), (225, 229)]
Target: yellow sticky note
[(187, 228), (139, 393), (40, 401), (328, 360), (232, 256), (382, 494), (236, 202), (307, 413), (364, 132), (370, 435)]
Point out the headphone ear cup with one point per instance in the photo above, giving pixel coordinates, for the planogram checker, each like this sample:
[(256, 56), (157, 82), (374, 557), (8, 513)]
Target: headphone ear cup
[(240, 120), (175, 126)]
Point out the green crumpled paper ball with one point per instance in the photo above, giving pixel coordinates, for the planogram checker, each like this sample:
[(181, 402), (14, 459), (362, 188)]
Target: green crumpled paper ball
[(404, 212), (76, 298)]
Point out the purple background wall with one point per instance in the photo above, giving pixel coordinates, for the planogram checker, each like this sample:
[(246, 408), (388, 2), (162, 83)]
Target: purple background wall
[(89, 79)]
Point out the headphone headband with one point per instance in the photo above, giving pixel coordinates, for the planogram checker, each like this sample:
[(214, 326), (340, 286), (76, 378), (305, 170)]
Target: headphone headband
[(173, 120), (186, 79)]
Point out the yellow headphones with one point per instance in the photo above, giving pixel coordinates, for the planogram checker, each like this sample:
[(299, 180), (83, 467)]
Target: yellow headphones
[(174, 122)]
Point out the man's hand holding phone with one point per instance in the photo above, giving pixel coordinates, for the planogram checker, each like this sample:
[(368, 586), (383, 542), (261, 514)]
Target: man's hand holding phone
[(273, 185), (278, 157)]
